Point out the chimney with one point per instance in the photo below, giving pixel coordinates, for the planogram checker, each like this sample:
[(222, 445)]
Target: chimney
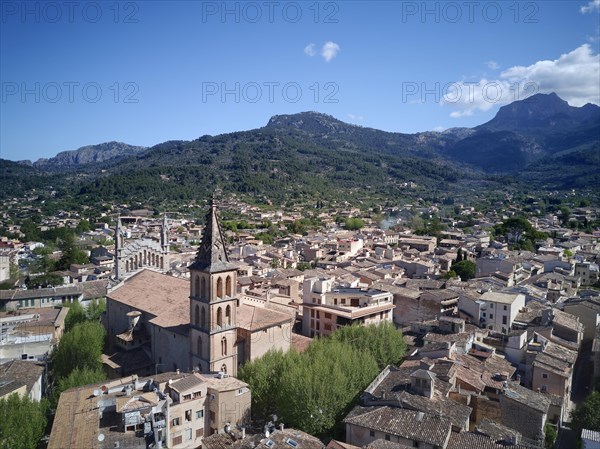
[(243, 432), (177, 371), (134, 317), (281, 426)]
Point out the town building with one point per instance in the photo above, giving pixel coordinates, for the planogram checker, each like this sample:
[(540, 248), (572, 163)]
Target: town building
[(326, 307), (499, 310), (23, 377), (173, 409)]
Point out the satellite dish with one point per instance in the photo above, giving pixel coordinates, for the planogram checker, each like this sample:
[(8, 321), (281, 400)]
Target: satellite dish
[(267, 434), (103, 388), (101, 437), (96, 393)]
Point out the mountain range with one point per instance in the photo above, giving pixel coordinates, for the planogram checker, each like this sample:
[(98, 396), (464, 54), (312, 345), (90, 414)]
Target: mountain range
[(541, 141)]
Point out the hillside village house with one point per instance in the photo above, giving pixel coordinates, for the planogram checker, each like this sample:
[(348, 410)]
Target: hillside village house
[(499, 310)]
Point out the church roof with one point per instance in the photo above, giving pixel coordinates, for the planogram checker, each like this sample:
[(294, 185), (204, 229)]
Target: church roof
[(252, 318), (165, 297), (212, 256)]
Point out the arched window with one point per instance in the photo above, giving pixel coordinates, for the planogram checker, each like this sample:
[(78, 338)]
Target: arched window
[(145, 257), (219, 317), (197, 315), (162, 263), (228, 286), (199, 347), (224, 346), (203, 288), (203, 319), (126, 265), (228, 315), (152, 259), (224, 368), (197, 286), (219, 288)]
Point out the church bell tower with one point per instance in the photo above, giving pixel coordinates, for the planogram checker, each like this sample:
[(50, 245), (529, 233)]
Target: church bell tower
[(213, 302)]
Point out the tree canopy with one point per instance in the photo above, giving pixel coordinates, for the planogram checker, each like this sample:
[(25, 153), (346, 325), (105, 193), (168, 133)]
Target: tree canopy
[(587, 415), (465, 269), (314, 390), (22, 422), (81, 347), (70, 254), (519, 233), (76, 314)]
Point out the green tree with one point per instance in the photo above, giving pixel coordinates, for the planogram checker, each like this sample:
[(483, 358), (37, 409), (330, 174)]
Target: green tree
[(450, 274), (565, 214), (307, 401), (81, 347), (303, 266), (83, 226), (354, 224), (587, 415), (70, 254), (314, 390), (77, 378), (43, 263), (96, 308), (22, 422), (265, 375), (465, 269), (76, 315), (513, 229), (550, 436), (43, 281), (416, 223), (383, 341), (459, 255)]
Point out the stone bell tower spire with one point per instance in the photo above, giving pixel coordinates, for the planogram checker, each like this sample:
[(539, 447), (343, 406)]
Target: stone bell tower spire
[(213, 302)]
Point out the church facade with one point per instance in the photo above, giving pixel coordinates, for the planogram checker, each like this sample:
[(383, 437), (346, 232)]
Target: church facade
[(131, 257)]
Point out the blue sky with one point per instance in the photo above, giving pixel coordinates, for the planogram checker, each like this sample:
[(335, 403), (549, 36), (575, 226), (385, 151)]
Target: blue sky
[(79, 73)]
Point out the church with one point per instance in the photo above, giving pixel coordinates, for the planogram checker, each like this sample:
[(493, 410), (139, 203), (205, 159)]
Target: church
[(158, 323), (132, 256)]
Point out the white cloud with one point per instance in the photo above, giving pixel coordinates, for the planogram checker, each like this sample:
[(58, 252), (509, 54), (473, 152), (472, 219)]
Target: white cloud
[(492, 65), (439, 129), (573, 76), (310, 49), (590, 7), (330, 50)]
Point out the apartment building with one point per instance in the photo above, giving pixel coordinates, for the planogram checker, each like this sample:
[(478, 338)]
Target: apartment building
[(327, 307)]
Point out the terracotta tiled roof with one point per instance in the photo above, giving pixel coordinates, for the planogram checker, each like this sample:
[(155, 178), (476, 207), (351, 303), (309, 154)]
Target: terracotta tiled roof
[(468, 440), (408, 424), (254, 318), (165, 297), (16, 373)]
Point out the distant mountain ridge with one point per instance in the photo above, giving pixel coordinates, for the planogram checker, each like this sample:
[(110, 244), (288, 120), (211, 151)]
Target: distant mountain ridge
[(541, 112), (539, 141), (88, 154), (528, 131)]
